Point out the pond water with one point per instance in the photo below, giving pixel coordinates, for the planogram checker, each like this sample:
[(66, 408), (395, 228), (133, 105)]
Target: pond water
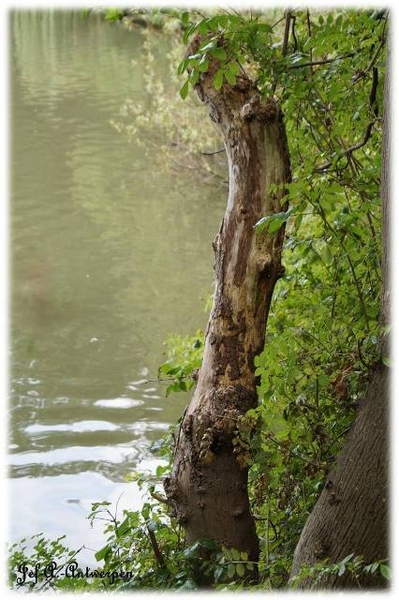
[(108, 257)]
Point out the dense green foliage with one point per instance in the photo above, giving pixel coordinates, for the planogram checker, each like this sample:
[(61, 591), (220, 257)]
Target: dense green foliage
[(185, 357), (322, 333), (145, 550), (327, 72)]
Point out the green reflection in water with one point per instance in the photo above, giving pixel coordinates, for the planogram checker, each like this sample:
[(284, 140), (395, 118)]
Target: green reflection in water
[(108, 257)]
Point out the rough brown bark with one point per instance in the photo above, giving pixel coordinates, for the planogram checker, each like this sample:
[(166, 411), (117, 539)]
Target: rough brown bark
[(386, 209), (351, 515), (208, 486)]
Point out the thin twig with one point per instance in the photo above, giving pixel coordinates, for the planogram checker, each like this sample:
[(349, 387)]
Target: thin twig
[(348, 151), (155, 547), (369, 127), (215, 152), (373, 93), (235, 12), (259, 518), (309, 26), (293, 19), (286, 31), (267, 531), (318, 465), (117, 503), (277, 22), (376, 54), (322, 61), (359, 292)]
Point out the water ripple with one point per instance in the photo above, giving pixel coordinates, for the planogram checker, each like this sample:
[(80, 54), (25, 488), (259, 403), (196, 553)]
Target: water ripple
[(80, 426), (119, 403)]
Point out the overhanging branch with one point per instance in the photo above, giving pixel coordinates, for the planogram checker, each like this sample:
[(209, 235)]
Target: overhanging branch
[(322, 61), (369, 128)]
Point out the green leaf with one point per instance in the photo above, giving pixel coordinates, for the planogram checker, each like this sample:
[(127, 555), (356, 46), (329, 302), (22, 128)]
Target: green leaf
[(189, 584), (385, 571), (96, 505), (113, 14), (218, 79), (161, 470), (231, 570), (386, 361), (202, 26), (203, 64), (347, 558), (227, 553), (182, 66), (208, 46), (231, 78), (240, 570), (157, 445), (262, 224), (189, 31), (213, 23), (234, 68), (185, 18), (123, 528), (219, 53), (194, 76), (326, 255), (178, 386), (168, 370), (276, 224), (184, 89), (272, 223), (209, 544), (101, 554), (224, 20), (145, 511), (235, 554), (372, 568), (265, 27), (191, 551)]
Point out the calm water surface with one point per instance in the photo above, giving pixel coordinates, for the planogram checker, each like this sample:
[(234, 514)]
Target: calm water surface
[(108, 257)]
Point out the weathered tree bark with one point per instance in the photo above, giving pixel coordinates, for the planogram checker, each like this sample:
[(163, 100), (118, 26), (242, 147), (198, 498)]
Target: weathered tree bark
[(351, 515), (208, 486)]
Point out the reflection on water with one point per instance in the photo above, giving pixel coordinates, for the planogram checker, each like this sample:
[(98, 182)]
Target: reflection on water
[(108, 258), (71, 497)]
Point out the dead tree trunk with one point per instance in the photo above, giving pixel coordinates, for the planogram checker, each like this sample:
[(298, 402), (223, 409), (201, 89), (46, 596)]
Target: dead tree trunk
[(351, 515), (208, 486)]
